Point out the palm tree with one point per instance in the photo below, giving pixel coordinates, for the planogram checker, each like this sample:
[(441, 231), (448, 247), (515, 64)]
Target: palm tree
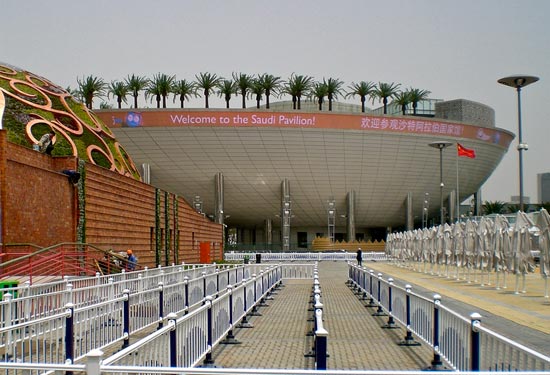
[(297, 86), (384, 91), (363, 90), (416, 96), (257, 90), (319, 91), (513, 208), (75, 93), (161, 86), (184, 89), (154, 91), (226, 88), (207, 82), (119, 90), (495, 207), (271, 85), (334, 88), (244, 83), (402, 99), (91, 87), (135, 85)]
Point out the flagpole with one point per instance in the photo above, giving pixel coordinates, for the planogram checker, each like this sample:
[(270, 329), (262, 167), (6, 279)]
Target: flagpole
[(457, 188)]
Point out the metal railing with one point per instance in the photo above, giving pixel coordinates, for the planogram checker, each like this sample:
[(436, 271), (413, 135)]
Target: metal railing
[(461, 342), (102, 322), (305, 256)]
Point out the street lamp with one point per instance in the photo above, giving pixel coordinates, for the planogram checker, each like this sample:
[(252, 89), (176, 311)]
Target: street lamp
[(518, 82), (441, 145)]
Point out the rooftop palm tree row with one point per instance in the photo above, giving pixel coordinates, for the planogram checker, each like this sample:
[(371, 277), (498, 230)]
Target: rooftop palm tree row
[(247, 86)]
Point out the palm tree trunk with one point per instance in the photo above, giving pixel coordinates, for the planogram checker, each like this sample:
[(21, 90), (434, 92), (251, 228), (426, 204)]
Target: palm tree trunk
[(267, 93), (385, 106), (135, 100), (181, 101), (244, 98), (363, 99), (206, 101), (119, 101)]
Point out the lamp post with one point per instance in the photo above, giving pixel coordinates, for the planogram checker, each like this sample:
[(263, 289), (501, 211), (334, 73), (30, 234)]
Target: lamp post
[(518, 82), (441, 145)]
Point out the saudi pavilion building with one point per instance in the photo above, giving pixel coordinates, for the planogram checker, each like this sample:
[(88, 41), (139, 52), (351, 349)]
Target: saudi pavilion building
[(280, 177)]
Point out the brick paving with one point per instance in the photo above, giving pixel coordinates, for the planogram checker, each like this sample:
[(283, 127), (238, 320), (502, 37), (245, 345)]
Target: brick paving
[(356, 340)]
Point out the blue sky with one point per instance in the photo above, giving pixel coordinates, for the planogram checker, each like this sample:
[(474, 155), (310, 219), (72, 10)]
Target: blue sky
[(455, 49)]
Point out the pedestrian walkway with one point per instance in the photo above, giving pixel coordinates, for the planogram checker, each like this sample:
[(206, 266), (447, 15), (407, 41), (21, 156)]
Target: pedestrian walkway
[(356, 340)]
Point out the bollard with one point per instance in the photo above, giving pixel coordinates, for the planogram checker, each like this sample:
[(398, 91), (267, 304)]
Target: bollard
[(379, 310), (390, 324), (203, 287), (208, 360), (262, 302), (186, 293), (409, 339), (126, 319), (255, 311), (244, 323), (371, 300), (161, 304), (475, 348), (69, 334), (172, 317), (230, 338), (437, 365)]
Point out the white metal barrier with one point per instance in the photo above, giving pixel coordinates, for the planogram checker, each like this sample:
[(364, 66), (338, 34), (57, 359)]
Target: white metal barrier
[(453, 337)]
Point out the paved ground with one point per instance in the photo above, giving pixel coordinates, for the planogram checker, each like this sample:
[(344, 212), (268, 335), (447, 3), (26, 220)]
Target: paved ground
[(356, 340)]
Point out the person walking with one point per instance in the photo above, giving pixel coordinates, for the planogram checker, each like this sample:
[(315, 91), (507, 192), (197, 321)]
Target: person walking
[(359, 257)]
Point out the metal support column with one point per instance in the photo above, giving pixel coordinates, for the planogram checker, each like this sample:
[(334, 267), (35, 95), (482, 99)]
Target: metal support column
[(409, 222), (286, 214), (453, 215), (268, 233), (219, 215), (350, 216)]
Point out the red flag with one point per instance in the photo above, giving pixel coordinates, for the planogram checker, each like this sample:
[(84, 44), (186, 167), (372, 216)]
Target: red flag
[(463, 151)]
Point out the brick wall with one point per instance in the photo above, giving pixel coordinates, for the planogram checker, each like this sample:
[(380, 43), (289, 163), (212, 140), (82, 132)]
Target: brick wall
[(39, 205)]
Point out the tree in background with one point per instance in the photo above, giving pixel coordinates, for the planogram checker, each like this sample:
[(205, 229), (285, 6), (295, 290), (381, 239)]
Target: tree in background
[(91, 87), (119, 90), (244, 83), (208, 83), (161, 86), (257, 90), (402, 99), (318, 92), (298, 86), (416, 96), (271, 85), (136, 84), (385, 91), (363, 90), (184, 90), (493, 207), (334, 88), (226, 88)]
